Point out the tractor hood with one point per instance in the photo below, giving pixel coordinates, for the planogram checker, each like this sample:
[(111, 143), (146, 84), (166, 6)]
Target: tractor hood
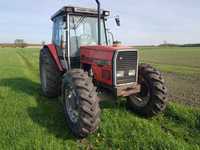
[(105, 60), (91, 53), (105, 48)]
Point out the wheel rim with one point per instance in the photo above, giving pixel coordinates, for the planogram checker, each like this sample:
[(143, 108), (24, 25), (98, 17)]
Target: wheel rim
[(72, 103), (44, 79), (142, 98)]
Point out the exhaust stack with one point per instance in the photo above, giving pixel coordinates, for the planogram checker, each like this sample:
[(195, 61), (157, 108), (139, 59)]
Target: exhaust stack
[(99, 21)]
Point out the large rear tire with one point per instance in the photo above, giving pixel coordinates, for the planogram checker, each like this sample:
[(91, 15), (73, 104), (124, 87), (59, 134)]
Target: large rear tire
[(50, 76), (153, 96), (81, 104)]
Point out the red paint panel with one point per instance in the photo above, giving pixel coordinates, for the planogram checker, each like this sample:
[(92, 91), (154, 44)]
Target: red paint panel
[(100, 57), (105, 48), (54, 54), (98, 73)]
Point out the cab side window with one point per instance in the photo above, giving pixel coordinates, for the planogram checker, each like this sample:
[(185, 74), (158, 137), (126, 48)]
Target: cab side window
[(57, 31)]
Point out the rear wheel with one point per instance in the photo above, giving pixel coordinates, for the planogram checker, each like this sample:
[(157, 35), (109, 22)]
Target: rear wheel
[(50, 76), (153, 96), (81, 104)]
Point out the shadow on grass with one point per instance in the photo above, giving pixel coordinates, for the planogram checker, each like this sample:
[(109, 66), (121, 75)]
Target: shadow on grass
[(48, 113), (109, 101)]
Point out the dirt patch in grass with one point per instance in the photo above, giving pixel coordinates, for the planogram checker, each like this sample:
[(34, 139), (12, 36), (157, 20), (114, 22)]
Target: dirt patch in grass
[(184, 89)]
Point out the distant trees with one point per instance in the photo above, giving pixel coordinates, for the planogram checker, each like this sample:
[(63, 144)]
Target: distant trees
[(179, 45), (169, 45), (191, 45), (20, 43), (166, 44)]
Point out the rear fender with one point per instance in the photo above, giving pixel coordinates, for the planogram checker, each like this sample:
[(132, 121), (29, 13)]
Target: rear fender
[(54, 54)]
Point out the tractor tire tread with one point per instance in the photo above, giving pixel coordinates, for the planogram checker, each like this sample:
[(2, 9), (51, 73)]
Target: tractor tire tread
[(53, 75), (89, 105), (158, 90)]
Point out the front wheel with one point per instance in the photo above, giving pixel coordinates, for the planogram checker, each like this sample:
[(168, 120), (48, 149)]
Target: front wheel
[(153, 96), (81, 104)]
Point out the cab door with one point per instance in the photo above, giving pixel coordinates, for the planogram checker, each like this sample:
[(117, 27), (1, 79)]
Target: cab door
[(59, 39)]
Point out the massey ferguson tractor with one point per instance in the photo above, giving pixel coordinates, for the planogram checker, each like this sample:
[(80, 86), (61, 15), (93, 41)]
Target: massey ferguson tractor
[(80, 60)]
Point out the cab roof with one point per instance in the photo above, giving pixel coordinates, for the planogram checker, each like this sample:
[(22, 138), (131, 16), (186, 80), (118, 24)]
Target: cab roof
[(79, 10)]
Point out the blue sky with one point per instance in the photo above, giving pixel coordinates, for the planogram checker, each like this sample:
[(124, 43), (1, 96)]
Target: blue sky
[(142, 21)]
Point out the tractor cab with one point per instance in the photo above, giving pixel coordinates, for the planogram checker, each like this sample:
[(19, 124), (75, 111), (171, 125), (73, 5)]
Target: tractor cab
[(75, 27)]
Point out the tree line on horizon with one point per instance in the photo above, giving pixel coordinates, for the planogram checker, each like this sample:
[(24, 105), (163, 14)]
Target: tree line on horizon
[(180, 45), (20, 43)]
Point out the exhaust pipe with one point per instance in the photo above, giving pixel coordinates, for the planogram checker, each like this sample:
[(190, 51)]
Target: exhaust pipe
[(99, 21)]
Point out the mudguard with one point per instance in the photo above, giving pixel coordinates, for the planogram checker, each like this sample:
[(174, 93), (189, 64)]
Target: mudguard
[(54, 55)]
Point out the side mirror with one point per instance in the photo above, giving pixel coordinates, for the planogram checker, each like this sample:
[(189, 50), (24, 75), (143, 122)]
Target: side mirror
[(117, 20)]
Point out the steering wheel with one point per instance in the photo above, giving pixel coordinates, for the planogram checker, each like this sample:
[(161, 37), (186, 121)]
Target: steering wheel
[(85, 37)]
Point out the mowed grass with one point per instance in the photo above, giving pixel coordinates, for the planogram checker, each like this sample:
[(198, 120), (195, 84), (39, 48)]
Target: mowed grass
[(31, 121)]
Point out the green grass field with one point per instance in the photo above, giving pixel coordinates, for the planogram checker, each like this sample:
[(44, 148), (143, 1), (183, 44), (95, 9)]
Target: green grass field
[(31, 121), (181, 68), (184, 61)]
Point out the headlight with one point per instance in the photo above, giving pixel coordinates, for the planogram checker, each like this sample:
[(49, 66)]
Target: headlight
[(120, 73), (131, 72)]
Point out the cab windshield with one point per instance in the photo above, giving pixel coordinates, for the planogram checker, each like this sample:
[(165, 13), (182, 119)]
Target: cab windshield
[(84, 31)]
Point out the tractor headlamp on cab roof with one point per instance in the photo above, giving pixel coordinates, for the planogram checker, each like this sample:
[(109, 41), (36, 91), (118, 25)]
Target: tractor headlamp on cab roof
[(106, 13), (69, 9)]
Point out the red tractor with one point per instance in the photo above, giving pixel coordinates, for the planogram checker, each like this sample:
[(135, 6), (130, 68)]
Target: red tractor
[(80, 59)]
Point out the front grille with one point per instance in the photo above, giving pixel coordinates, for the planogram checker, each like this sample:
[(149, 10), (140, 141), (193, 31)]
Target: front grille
[(125, 61)]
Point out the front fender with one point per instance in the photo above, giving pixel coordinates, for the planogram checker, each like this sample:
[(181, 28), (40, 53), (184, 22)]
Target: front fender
[(54, 54)]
